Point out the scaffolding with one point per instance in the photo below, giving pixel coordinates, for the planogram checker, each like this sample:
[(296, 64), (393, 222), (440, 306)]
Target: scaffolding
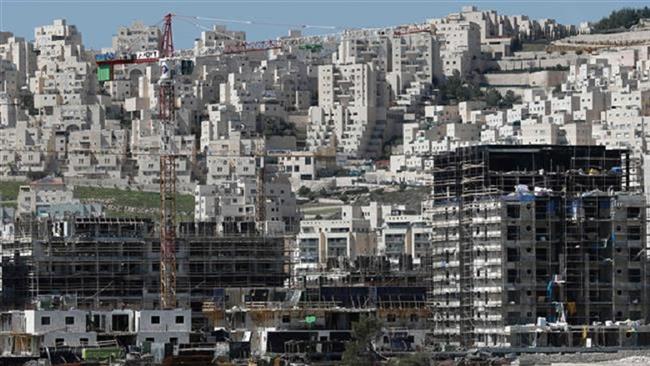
[(491, 268), (111, 263)]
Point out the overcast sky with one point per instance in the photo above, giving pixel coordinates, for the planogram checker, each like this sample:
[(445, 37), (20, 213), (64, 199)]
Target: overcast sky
[(98, 19)]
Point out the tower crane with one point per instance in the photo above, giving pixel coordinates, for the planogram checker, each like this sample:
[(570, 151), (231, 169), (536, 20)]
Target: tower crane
[(168, 154), (166, 115)]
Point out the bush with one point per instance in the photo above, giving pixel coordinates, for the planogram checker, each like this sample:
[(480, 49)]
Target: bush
[(304, 191), (623, 18), (360, 351), (455, 88)]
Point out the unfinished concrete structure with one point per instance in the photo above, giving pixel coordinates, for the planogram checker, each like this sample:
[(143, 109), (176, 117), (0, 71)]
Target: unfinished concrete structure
[(111, 263), (312, 320), (533, 234)]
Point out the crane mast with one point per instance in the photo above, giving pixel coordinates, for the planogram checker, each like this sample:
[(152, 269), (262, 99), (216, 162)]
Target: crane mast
[(166, 115)]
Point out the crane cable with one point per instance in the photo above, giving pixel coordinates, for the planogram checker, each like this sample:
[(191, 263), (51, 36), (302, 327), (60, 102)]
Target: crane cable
[(254, 22)]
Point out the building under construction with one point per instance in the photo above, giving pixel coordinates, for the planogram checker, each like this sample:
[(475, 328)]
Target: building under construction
[(312, 320), (530, 237), (114, 263)]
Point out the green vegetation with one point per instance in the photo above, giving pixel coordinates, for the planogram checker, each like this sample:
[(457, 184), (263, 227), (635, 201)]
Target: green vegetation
[(101, 354), (304, 191), (459, 90), (387, 148), (622, 19), (493, 98), (9, 193), (9, 190), (117, 202), (274, 126), (360, 350), (128, 203)]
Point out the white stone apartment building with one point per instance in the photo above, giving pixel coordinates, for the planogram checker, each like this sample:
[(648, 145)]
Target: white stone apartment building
[(20, 53), (136, 38), (364, 230), (350, 106), (461, 43), (536, 132), (96, 153), (146, 151), (415, 59), (403, 233), (217, 39), (235, 202), (320, 240), (23, 149), (63, 76)]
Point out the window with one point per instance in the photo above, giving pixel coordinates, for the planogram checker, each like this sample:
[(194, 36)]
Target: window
[(512, 275), (180, 319), (83, 341), (173, 340), (512, 254), (513, 233), (155, 319), (634, 275), (45, 320), (634, 233), (513, 318), (69, 320), (286, 318), (633, 212), (513, 297), (149, 339)]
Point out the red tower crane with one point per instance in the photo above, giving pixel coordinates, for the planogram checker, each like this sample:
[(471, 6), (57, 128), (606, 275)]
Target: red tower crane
[(166, 115)]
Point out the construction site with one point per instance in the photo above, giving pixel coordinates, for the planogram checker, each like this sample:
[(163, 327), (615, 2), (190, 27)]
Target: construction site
[(275, 257), (530, 241), (112, 263)]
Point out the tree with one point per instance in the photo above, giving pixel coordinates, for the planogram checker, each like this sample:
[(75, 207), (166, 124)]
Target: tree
[(275, 126), (456, 88), (304, 191), (509, 99), (492, 97), (360, 351), (623, 18)]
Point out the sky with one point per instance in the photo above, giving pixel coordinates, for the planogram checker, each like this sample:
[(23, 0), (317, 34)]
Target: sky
[(98, 20)]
